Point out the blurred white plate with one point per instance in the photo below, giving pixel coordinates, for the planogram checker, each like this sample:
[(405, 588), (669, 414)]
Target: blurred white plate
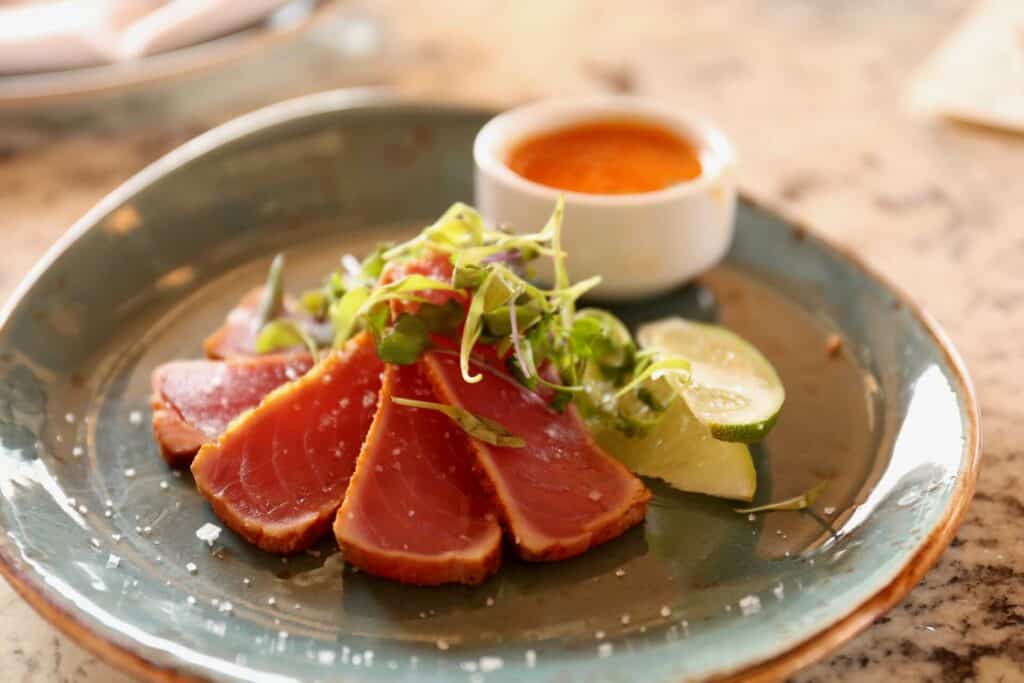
[(18, 91)]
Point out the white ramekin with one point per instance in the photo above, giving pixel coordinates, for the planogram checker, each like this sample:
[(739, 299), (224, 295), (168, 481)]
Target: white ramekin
[(640, 244)]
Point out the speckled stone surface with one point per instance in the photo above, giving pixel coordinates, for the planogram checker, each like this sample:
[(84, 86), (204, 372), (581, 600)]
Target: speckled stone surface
[(812, 93)]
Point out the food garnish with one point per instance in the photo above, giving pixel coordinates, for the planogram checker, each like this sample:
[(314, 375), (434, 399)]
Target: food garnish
[(585, 356), (476, 426), (800, 502)]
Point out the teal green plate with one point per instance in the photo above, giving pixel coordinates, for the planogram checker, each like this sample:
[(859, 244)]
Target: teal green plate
[(99, 534)]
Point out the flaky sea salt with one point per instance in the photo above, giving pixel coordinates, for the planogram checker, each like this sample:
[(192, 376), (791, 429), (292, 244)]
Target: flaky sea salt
[(604, 650), (209, 533), (442, 645), (190, 600), (750, 604), (779, 591), (531, 659), (830, 510), (135, 417), (129, 472), (191, 568), (113, 561), (164, 485), (77, 451), (488, 664), (620, 572), (666, 611)]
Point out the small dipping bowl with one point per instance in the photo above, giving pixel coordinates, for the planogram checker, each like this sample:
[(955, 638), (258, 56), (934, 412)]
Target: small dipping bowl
[(640, 244)]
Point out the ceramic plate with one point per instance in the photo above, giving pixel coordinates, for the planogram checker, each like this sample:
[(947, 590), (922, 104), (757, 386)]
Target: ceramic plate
[(99, 533), (19, 91)]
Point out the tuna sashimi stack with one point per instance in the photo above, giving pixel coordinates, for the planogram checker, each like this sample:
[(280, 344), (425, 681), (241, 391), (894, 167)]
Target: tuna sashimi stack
[(286, 450)]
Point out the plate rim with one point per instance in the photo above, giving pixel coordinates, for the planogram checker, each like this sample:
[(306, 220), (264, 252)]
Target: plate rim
[(796, 656)]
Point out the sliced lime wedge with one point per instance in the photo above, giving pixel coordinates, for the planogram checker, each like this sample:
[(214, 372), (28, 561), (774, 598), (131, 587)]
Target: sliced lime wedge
[(681, 451), (734, 390)]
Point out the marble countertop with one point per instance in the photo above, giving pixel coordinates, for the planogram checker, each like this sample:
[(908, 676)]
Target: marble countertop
[(813, 95)]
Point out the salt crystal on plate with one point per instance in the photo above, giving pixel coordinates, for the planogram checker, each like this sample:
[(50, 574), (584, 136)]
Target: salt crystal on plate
[(191, 567), (488, 664), (604, 650), (531, 659), (750, 604), (113, 561), (209, 533), (135, 417)]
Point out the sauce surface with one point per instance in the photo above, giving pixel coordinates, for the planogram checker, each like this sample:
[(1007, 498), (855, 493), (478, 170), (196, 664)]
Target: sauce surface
[(607, 157)]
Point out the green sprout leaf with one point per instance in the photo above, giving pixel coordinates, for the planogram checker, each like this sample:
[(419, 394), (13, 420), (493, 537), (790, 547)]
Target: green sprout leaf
[(404, 342), (272, 302), (801, 502), (441, 319), (480, 428), (315, 302), (474, 326), (674, 370), (359, 301), (283, 334), (345, 312)]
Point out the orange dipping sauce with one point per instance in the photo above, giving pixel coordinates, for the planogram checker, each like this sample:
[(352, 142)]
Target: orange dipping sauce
[(607, 157)]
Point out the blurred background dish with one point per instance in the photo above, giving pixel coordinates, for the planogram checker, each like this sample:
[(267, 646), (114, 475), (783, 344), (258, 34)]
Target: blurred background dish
[(54, 51)]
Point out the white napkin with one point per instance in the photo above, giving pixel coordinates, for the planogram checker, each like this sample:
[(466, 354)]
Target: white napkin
[(978, 73), (62, 34), (185, 22)]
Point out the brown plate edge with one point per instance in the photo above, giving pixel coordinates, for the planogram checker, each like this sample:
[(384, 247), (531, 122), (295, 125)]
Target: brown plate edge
[(817, 646), (801, 655)]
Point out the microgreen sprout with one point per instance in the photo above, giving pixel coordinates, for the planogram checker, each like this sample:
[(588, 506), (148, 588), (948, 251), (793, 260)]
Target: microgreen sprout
[(586, 355)]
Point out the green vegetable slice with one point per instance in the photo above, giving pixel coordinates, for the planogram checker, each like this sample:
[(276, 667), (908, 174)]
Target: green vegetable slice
[(680, 450), (733, 389)]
